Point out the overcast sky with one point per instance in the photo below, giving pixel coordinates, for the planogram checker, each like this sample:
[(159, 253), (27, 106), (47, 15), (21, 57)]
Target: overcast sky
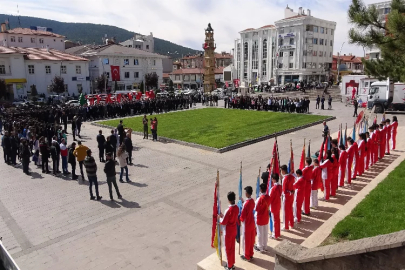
[(183, 21)]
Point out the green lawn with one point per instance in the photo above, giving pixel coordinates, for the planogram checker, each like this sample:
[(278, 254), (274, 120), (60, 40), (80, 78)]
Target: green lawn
[(381, 212), (218, 128)]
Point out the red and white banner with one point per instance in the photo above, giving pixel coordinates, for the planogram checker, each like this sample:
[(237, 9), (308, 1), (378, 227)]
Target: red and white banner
[(236, 83), (115, 73)]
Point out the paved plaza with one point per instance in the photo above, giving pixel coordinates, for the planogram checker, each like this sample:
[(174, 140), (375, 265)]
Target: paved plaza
[(164, 219)]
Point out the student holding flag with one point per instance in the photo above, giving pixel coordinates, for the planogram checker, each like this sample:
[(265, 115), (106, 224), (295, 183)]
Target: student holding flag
[(372, 145), (248, 231), (362, 154), (316, 183), (342, 165), (229, 221), (394, 127), (288, 198), (275, 204), (262, 218), (383, 139), (299, 187), (326, 167), (350, 159), (307, 175), (335, 172), (387, 144)]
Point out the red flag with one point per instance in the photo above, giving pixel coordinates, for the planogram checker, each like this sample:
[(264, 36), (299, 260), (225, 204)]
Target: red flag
[(292, 160), (302, 161), (119, 98), (98, 99), (91, 101), (274, 165), (130, 96), (108, 100), (138, 95), (320, 157), (338, 138), (115, 73), (214, 216), (205, 45)]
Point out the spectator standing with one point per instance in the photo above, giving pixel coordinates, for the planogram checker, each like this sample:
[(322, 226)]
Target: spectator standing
[(128, 148), (91, 170), (101, 141), (74, 128), (55, 144), (109, 169), (153, 127), (113, 141), (25, 156), (64, 154), (145, 127), (122, 160), (121, 131), (323, 103), (330, 103), (72, 160), (80, 153), (44, 150), (355, 105)]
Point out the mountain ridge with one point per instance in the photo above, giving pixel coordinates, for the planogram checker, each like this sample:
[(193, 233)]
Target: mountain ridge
[(89, 33)]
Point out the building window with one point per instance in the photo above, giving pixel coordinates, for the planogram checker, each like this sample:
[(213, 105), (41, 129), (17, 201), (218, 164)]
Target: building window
[(264, 67), (48, 69), (291, 41), (326, 42), (322, 30), (78, 70), (291, 53), (280, 65), (126, 74), (32, 40), (281, 54), (245, 66), (31, 69), (387, 10), (246, 35), (255, 56), (126, 62), (41, 40), (136, 74), (314, 53), (12, 39), (331, 43), (315, 41), (136, 62), (106, 61), (291, 65), (245, 51), (154, 62), (280, 42), (321, 53), (20, 39), (315, 29), (63, 69), (264, 49), (281, 31), (331, 32), (108, 75), (147, 47), (321, 41), (326, 30), (304, 52), (79, 88), (2, 69), (330, 54)]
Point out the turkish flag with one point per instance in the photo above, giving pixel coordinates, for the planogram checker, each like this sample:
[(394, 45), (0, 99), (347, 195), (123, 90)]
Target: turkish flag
[(138, 95), (130, 96), (115, 73), (92, 101), (98, 99), (108, 100), (119, 98)]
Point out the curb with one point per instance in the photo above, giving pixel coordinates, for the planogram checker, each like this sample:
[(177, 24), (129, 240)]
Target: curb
[(233, 146)]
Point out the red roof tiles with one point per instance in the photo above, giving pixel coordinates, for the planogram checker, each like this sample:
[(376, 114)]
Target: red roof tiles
[(27, 31), (267, 26), (41, 54)]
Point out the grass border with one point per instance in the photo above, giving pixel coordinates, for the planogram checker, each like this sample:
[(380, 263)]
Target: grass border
[(232, 146)]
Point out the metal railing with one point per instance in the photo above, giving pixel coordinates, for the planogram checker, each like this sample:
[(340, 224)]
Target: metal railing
[(6, 261)]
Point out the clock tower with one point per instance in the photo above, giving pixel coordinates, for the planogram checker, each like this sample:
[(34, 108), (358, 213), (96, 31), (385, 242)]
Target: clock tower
[(209, 60)]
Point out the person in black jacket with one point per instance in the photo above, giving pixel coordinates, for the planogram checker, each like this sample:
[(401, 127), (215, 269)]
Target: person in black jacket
[(6, 148), (25, 156), (14, 149), (44, 150), (265, 175), (128, 148), (108, 145), (113, 141), (72, 160), (109, 169), (100, 142), (121, 132), (56, 145), (74, 128), (64, 120)]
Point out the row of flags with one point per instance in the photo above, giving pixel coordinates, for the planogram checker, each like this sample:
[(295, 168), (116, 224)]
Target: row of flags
[(360, 125), (120, 97)]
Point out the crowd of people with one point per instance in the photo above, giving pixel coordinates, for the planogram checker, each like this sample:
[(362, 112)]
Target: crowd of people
[(276, 104), (296, 193)]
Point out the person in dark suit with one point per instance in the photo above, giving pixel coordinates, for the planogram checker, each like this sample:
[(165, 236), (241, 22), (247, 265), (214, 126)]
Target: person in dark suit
[(128, 148), (100, 142), (121, 132), (265, 175), (113, 141)]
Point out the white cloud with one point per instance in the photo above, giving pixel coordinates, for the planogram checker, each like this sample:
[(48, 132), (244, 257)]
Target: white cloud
[(183, 21)]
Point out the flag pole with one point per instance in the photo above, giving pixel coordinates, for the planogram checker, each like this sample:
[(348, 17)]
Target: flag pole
[(240, 236), (218, 223)]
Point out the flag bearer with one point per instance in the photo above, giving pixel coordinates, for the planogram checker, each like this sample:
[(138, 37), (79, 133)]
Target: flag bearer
[(248, 230)]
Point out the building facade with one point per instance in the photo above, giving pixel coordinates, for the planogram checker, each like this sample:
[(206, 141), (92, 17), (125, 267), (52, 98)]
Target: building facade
[(131, 64), (141, 42), (23, 67), (297, 48), (31, 38)]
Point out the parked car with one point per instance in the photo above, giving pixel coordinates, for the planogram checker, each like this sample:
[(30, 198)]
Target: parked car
[(73, 102)]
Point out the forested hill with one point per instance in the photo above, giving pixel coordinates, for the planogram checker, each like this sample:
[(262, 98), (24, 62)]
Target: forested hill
[(89, 33)]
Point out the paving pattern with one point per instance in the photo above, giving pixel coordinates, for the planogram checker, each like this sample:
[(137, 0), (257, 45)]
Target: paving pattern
[(164, 219)]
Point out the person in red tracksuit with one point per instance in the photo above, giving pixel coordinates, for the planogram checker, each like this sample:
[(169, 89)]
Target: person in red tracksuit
[(372, 145), (229, 220), (275, 204), (288, 200), (327, 167), (342, 165), (387, 144), (350, 159), (383, 139), (335, 172), (307, 175), (394, 127), (316, 183), (378, 142), (248, 230), (362, 154), (299, 187), (262, 219), (368, 151), (355, 159)]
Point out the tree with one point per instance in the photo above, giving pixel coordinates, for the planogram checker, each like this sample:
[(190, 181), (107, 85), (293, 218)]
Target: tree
[(34, 91), (58, 85), (101, 82), (171, 86), (82, 99), (3, 88), (151, 80), (141, 87), (384, 33)]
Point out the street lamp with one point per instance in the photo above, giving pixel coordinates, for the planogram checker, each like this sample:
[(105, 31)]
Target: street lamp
[(340, 52)]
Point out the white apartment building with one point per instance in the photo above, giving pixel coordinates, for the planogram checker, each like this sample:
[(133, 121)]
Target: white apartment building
[(383, 9), (141, 42), (254, 55), (31, 38), (23, 67), (297, 48), (133, 64), (304, 47)]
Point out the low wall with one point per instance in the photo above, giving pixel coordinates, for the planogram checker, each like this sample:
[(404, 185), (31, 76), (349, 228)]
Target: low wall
[(381, 252)]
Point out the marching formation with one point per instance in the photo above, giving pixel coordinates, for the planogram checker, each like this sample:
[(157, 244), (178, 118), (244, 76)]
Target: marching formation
[(295, 192)]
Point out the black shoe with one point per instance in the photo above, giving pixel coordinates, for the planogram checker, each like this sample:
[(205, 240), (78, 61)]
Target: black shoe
[(99, 198), (92, 198), (75, 177), (111, 199), (58, 172), (256, 248), (119, 196), (243, 257), (129, 181), (121, 181), (48, 172)]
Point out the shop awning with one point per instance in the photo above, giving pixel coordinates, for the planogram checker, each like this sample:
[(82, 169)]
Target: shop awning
[(8, 81)]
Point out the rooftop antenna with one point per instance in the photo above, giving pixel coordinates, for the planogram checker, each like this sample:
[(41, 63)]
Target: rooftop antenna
[(18, 14)]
